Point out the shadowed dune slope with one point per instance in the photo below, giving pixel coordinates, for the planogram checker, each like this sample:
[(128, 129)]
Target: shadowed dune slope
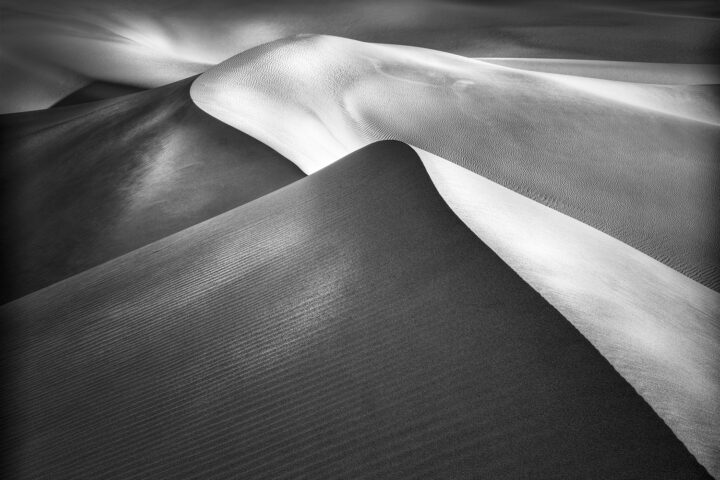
[(96, 91), (347, 325), (657, 327), (87, 183), (636, 161)]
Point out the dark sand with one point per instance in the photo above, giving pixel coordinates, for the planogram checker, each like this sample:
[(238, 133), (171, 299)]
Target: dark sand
[(87, 183), (97, 91), (348, 325)]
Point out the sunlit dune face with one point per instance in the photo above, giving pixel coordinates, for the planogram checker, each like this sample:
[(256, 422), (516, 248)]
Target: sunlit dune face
[(578, 141), (155, 43), (609, 157), (559, 143), (655, 325), (637, 72)]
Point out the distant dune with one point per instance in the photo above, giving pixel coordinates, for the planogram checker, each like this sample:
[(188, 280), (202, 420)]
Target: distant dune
[(378, 239), (638, 72), (96, 91), (636, 161), (57, 47), (346, 325), (84, 184)]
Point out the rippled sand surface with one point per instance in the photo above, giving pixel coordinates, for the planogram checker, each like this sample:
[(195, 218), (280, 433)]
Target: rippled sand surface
[(84, 184), (347, 325), (568, 157), (379, 239), (657, 327)]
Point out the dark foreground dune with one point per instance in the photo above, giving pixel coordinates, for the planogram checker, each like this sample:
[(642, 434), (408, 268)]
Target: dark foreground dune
[(87, 183), (348, 325)]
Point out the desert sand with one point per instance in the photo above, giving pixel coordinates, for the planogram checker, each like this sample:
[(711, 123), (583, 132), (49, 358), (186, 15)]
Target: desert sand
[(637, 72), (84, 184), (333, 328), (636, 161), (148, 44), (95, 91), (656, 325), (527, 287)]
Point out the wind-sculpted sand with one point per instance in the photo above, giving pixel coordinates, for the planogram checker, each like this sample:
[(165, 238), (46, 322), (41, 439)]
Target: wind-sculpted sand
[(84, 184), (56, 47), (96, 91), (636, 161), (638, 72), (377, 239), (656, 326), (347, 325)]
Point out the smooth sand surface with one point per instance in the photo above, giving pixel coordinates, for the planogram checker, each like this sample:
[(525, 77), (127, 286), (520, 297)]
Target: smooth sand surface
[(638, 72), (636, 161), (657, 327), (610, 291), (33, 85), (148, 44), (84, 184), (348, 325)]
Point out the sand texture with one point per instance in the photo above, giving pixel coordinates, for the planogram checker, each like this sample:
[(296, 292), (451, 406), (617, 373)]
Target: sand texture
[(657, 327), (53, 45), (636, 161), (84, 184), (347, 325)]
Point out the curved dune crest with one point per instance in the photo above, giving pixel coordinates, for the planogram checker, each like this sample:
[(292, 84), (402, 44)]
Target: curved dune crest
[(84, 184), (635, 166), (657, 327), (617, 294), (28, 85), (348, 324), (147, 44)]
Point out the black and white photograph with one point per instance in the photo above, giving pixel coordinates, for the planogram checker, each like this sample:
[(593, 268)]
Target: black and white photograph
[(345, 239)]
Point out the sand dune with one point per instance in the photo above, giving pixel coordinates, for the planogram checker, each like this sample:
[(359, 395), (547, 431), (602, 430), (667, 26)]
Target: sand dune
[(96, 91), (29, 85), (632, 160), (148, 44), (656, 326), (539, 297), (85, 184), (638, 72), (346, 325)]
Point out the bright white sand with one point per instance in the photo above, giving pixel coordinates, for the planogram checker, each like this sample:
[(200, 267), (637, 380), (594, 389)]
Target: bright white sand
[(657, 327), (152, 43), (316, 99), (638, 72), (636, 161)]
